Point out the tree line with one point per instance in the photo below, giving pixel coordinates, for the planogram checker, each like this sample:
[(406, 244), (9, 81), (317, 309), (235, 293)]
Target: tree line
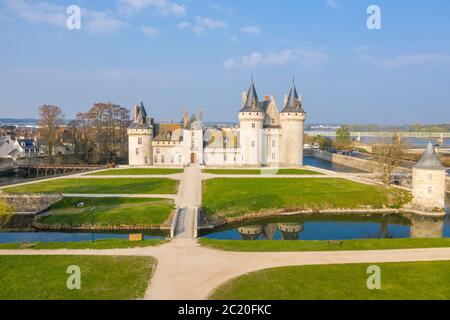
[(97, 136)]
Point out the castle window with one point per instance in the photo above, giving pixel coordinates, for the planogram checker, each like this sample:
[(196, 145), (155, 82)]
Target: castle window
[(180, 158), (430, 189), (146, 160), (253, 125), (430, 176), (137, 151), (273, 143), (156, 159), (273, 156), (139, 140), (158, 150), (163, 160), (253, 143)]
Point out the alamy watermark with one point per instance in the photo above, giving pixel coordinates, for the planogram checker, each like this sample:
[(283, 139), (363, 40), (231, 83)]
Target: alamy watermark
[(374, 19), (74, 280), (374, 280), (73, 22)]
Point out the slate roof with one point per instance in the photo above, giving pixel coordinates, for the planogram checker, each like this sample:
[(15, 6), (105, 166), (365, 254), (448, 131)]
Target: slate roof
[(429, 160), (252, 103), (141, 119), (294, 103), (167, 132)]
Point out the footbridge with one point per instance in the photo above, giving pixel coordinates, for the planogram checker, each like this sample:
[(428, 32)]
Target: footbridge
[(440, 136)]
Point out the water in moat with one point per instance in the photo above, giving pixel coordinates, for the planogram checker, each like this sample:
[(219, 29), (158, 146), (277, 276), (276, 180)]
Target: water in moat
[(19, 237), (328, 227)]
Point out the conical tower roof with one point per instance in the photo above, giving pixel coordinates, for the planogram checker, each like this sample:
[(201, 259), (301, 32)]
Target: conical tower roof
[(141, 119), (294, 103), (252, 103), (429, 160)]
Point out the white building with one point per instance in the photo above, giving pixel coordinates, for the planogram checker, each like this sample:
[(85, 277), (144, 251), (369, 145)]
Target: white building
[(265, 137)]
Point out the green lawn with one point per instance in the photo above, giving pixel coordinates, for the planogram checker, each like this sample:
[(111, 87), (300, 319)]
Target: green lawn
[(308, 245), (97, 244), (259, 171), (416, 280), (102, 278), (237, 197), (112, 212), (136, 171), (100, 186)]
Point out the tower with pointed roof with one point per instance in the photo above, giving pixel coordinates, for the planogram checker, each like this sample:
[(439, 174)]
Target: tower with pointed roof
[(140, 137), (251, 119), (292, 122), (428, 186)]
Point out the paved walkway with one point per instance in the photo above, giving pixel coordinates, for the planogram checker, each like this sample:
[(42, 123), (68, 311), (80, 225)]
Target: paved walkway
[(146, 196), (187, 271)]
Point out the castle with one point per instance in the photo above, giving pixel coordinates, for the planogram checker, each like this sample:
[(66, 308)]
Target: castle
[(265, 136)]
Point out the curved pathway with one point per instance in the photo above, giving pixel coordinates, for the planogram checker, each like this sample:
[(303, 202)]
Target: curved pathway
[(187, 271)]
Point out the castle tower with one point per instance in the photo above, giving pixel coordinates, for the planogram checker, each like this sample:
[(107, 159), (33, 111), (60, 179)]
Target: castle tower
[(428, 186), (140, 137), (251, 119), (292, 122)]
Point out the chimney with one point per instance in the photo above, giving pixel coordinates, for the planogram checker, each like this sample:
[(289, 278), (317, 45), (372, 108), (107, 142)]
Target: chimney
[(200, 117), (266, 98), (135, 112), (244, 98), (185, 119)]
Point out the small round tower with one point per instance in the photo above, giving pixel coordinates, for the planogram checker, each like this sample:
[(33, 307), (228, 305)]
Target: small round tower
[(428, 185), (292, 122), (251, 119), (140, 137)]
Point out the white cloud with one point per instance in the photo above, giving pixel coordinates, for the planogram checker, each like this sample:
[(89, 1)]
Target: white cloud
[(208, 23), (101, 22), (251, 30), (55, 15), (149, 31), (332, 3), (183, 25), (163, 7), (223, 9), (299, 55), (406, 60), (41, 12)]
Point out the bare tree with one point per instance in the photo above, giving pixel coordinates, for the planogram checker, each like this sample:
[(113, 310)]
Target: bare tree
[(388, 155), (51, 120)]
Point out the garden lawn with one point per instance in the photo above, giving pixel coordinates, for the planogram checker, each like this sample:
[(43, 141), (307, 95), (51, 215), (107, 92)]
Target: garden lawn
[(97, 244), (399, 281), (136, 172), (337, 245), (114, 212), (100, 186), (259, 171), (102, 278), (238, 197)]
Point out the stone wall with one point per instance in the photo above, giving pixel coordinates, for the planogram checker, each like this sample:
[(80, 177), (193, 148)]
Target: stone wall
[(30, 203), (428, 189), (7, 164), (361, 164)]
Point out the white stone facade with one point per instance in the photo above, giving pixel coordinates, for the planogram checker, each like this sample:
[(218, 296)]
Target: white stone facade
[(264, 137)]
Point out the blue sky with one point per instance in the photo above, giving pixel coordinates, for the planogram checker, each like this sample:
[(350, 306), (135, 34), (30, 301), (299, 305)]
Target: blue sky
[(197, 54)]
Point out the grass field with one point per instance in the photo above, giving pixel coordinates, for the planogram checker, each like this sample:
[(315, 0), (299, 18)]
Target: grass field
[(237, 197), (135, 171), (100, 186), (109, 212), (259, 171), (102, 278), (306, 245), (97, 244), (416, 280)]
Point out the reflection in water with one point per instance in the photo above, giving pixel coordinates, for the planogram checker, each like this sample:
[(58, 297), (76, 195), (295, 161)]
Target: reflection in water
[(422, 227), (322, 227), (290, 231)]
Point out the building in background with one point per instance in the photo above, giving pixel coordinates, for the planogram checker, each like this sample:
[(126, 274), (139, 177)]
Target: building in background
[(265, 136)]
